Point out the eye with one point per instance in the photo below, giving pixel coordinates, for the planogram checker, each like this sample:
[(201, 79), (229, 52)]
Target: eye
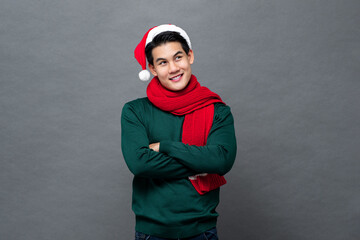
[(162, 63), (178, 57)]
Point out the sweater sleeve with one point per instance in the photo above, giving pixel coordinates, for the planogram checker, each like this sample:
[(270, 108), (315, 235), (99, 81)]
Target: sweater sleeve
[(218, 155), (140, 159)]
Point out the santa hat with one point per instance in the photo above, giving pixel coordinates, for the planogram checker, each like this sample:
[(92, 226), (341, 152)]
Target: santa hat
[(139, 52)]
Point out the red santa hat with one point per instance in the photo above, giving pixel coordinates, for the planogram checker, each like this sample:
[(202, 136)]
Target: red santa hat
[(139, 52)]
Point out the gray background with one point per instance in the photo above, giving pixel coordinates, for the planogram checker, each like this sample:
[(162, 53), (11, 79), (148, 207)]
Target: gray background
[(288, 69)]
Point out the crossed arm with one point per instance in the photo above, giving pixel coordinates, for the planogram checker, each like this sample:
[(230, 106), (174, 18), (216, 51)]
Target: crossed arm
[(171, 159)]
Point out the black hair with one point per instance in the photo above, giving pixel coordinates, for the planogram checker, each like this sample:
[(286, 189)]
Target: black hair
[(162, 38)]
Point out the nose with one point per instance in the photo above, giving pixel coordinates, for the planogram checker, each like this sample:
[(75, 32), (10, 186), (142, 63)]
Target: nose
[(173, 67)]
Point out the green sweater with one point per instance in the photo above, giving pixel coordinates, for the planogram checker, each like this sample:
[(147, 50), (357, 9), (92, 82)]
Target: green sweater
[(164, 201)]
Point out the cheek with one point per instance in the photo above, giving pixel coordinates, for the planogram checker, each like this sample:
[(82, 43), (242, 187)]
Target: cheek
[(161, 72), (185, 65)]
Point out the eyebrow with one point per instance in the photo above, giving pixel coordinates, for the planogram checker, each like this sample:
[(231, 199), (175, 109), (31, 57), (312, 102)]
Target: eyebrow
[(162, 59)]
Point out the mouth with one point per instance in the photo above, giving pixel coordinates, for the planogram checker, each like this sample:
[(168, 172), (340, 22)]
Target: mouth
[(176, 78)]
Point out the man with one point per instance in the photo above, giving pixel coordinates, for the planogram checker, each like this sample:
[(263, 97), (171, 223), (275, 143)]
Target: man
[(178, 142)]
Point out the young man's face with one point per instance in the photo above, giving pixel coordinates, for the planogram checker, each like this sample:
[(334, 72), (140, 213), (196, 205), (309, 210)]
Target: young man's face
[(172, 65)]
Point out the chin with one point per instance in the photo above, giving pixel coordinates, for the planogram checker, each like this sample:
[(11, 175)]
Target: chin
[(178, 87)]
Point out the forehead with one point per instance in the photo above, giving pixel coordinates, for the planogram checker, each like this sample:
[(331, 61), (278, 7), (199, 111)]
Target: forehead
[(168, 49)]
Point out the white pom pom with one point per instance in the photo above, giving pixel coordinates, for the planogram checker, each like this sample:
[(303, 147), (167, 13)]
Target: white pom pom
[(144, 75)]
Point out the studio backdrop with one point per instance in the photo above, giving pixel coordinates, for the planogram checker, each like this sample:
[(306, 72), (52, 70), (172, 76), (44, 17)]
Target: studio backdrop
[(289, 70)]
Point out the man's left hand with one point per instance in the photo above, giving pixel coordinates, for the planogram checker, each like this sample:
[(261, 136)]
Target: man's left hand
[(155, 146)]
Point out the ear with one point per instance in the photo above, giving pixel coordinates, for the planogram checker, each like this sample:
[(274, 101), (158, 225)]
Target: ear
[(152, 69), (191, 56)]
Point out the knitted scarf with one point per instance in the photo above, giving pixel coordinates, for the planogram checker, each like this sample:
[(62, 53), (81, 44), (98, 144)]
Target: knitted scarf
[(197, 104)]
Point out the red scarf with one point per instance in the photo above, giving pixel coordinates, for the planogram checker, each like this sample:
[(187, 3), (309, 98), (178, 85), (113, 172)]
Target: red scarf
[(197, 104)]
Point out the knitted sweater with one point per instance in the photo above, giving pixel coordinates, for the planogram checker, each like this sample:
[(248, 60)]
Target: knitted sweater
[(164, 201)]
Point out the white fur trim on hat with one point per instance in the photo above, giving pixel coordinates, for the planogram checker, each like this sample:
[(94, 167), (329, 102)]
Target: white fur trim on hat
[(164, 28)]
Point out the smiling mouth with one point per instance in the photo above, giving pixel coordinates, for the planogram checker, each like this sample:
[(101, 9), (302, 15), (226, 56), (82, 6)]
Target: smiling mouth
[(176, 78)]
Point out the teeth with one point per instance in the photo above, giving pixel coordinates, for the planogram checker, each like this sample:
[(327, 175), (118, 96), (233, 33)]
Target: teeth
[(176, 78)]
